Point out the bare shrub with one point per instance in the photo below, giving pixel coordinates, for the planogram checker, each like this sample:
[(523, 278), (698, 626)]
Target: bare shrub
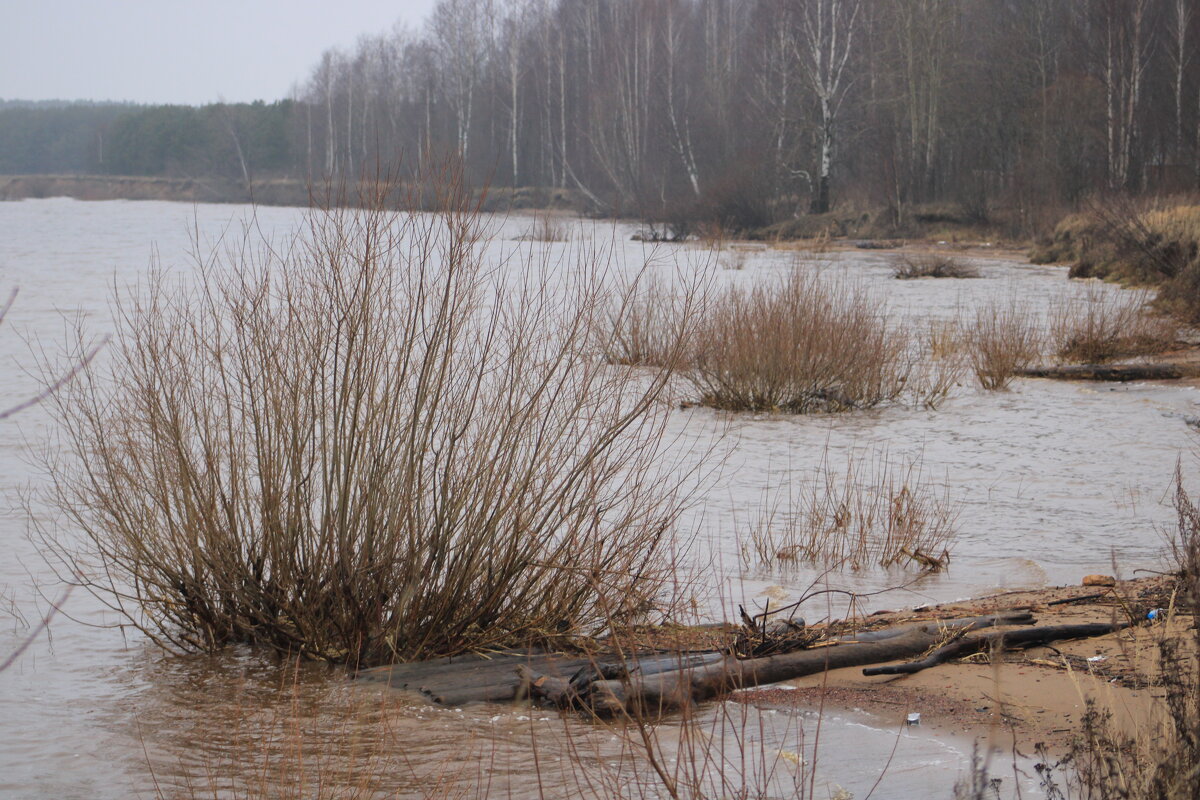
[(1103, 326), (365, 446), (876, 511), (732, 258), (547, 227), (932, 265), (1004, 340), (801, 344)]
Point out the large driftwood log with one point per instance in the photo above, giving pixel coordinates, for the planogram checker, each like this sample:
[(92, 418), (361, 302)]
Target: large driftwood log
[(679, 688), (654, 682)]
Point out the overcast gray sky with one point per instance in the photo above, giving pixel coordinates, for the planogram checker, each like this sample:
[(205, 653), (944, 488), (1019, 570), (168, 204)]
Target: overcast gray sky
[(178, 51)]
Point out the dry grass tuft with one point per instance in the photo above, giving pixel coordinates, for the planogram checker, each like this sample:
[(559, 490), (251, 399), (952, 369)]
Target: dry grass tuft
[(1004, 340), (1103, 325), (368, 445), (932, 265), (877, 512)]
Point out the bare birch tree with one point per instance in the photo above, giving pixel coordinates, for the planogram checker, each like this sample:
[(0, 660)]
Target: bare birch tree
[(826, 43), (1179, 21)]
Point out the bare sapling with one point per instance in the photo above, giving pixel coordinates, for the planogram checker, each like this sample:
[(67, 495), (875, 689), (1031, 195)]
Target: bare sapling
[(547, 227), (364, 446), (652, 321), (939, 361)]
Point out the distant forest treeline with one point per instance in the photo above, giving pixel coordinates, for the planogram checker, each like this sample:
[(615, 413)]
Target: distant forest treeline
[(741, 111), (117, 139)]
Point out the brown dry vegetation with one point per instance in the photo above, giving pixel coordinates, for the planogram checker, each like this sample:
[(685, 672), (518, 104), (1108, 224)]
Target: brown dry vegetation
[(1104, 326), (878, 511), (650, 324), (325, 448), (801, 344), (547, 227), (1151, 242), (1161, 759), (932, 265), (1004, 339)]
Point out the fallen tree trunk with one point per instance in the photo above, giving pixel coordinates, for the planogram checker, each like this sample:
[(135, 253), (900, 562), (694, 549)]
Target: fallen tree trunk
[(1121, 373), (679, 688), (1028, 637)]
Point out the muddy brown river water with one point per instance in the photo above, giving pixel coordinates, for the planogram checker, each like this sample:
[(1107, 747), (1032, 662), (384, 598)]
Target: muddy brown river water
[(1051, 481)]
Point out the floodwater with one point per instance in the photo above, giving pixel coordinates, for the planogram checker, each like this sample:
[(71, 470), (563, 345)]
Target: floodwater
[(1049, 480)]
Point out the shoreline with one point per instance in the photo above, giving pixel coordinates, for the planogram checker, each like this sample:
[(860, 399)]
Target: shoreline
[(264, 192), (1028, 698)]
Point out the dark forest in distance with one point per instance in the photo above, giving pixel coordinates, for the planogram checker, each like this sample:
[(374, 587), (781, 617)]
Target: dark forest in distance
[(740, 112)]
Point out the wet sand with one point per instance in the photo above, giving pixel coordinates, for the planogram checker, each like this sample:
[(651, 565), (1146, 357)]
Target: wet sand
[(1027, 697)]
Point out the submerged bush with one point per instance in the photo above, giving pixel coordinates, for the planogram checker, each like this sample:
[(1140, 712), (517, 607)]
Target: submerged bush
[(1004, 340), (801, 344), (367, 445), (1102, 326), (878, 511), (932, 265)]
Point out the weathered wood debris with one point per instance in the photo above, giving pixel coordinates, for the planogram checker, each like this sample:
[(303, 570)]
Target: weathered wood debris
[(612, 683)]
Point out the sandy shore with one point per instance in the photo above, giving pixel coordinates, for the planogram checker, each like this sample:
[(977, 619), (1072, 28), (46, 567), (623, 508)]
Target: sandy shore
[(1026, 697)]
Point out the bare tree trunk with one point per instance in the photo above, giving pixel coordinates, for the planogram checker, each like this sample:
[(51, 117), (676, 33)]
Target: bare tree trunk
[(350, 124), (1180, 22), (680, 133), (514, 77), (231, 127), (828, 27), (562, 111)]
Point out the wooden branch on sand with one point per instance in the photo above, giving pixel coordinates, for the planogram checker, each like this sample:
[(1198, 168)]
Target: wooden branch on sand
[(1028, 637)]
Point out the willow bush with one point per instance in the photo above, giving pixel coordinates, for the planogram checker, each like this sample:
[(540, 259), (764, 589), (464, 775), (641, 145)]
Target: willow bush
[(1005, 338), (801, 344), (363, 446)]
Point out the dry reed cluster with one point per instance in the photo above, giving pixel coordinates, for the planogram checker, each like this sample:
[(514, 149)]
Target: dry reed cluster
[(1103, 326), (366, 446), (651, 322), (877, 511)]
